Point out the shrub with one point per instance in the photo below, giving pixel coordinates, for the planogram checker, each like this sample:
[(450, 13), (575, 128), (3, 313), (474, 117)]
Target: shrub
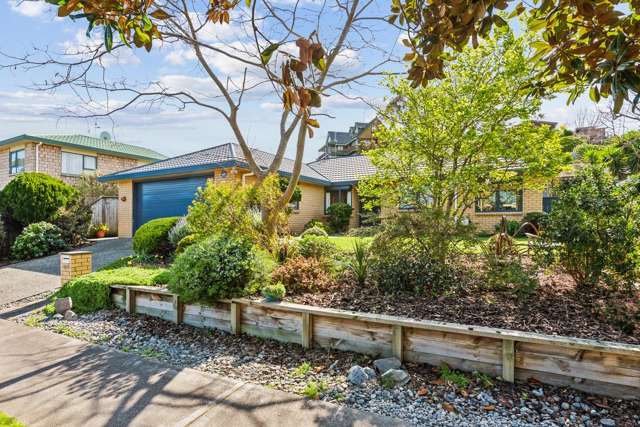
[(512, 228), (339, 215), (302, 275), (221, 266), (535, 222), (179, 231), (509, 274), (318, 247), (185, 242), (288, 247), (152, 238), (91, 292), (274, 292), (314, 231), (359, 263), (315, 223), (74, 221), (592, 231), (368, 231), (37, 240), (32, 197), (405, 266), (90, 189)]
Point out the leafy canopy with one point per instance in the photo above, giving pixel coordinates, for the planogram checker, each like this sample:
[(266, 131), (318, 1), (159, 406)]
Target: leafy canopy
[(466, 136), (579, 43)]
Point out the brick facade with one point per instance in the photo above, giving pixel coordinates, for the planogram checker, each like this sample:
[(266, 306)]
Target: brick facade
[(50, 161), (486, 221)]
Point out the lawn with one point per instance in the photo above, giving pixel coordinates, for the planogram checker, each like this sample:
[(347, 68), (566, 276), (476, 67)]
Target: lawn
[(345, 243)]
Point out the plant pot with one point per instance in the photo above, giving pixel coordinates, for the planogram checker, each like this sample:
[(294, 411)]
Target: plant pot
[(100, 234), (271, 299)]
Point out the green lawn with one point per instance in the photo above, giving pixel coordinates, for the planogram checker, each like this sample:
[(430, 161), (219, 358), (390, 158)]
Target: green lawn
[(345, 243), (7, 421)]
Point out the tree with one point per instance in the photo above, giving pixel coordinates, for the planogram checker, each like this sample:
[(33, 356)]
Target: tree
[(466, 136), (581, 44), (293, 50)]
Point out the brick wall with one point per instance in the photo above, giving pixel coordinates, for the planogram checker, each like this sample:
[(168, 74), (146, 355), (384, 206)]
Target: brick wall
[(50, 162), (531, 202)]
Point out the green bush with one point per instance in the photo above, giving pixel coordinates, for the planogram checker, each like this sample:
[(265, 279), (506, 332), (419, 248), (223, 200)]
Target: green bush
[(315, 223), (339, 215), (185, 242), (404, 266), (592, 232), (274, 292), (32, 197), (318, 247), (74, 221), (359, 263), (314, 231), (507, 273), (302, 275), (37, 240), (91, 292), (152, 238), (288, 247), (218, 267)]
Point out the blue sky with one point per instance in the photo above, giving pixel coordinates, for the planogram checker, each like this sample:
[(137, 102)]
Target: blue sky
[(167, 128)]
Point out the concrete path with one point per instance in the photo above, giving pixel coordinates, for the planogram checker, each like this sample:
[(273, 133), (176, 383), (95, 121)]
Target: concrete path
[(24, 279), (48, 379)]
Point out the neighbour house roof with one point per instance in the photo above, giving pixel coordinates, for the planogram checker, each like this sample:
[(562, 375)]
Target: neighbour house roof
[(229, 155), (347, 169), (100, 145)]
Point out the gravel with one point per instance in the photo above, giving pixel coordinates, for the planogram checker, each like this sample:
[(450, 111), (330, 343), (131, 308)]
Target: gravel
[(426, 400)]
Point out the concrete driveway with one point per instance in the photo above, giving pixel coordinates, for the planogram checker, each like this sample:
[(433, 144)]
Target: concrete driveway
[(25, 279)]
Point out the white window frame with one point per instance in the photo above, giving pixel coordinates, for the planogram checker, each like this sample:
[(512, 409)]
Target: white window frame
[(83, 167)]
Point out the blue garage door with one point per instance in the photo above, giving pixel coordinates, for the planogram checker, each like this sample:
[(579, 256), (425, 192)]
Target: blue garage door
[(158, 199)]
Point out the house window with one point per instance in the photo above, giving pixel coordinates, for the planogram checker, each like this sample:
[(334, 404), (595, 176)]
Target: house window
[(76, 164), (16, 161), (341, 195), (501, 201)]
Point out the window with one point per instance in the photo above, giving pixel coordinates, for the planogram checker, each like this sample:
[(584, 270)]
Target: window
[(501, 201), (16, 161), (76, 164), (337, 196)]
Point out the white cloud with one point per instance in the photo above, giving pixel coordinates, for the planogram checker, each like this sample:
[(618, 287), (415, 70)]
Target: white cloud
[(30, 8)]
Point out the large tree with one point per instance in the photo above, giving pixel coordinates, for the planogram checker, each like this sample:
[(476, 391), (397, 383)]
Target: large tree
[(581, 44), (293, 51), (444, 145)]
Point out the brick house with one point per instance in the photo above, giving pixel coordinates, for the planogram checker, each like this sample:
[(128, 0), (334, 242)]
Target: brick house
[(68, 157)]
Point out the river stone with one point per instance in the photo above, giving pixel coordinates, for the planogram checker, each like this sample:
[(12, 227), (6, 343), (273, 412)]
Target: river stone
[(63, 304), (357, 375), (394, 377), (371, 374), (70, 315), (383, 365), (608, 422)]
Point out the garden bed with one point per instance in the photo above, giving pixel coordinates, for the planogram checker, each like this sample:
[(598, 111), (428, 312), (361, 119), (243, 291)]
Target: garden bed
[(554, 309), (429, 399)]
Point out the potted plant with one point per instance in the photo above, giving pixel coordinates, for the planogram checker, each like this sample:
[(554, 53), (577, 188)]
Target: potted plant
[(273, 292), (100, 230)]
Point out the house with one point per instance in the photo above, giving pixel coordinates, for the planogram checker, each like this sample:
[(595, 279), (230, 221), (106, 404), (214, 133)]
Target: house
[(347, 143), (167, 187), (67, 157)]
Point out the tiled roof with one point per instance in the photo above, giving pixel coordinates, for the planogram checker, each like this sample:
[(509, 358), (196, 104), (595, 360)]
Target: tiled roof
[(344, 169), (224, 155), (87, 142)]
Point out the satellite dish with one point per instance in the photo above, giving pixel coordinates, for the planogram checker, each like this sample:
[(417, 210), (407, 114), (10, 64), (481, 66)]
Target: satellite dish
[(106, 136)]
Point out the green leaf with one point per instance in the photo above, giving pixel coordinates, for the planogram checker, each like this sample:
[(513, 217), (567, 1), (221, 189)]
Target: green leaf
[(266, 54), (594, 94), (247, 2), (108, 38)]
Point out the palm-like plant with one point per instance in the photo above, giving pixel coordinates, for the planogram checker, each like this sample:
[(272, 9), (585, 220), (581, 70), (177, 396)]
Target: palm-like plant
[(359, 264)]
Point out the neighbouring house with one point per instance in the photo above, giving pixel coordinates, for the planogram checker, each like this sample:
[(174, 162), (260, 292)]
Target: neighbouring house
[(348, 143), (167, 187), (68, 157)]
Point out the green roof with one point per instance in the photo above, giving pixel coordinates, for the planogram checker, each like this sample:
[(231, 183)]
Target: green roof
[(100, 145)]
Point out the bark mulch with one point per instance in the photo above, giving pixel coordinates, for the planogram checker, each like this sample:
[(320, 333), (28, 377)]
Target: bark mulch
[(556, 308)]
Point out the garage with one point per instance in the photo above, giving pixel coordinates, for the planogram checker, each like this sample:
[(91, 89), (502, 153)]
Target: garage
[(158, 199)]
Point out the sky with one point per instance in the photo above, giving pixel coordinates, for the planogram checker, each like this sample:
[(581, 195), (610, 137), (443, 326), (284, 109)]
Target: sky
[(168, 128)]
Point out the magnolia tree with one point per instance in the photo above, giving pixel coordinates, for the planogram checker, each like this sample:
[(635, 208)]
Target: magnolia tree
[(465, 136), (292, 50)]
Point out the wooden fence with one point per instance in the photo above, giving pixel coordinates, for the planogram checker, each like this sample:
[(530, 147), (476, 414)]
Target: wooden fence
[(105, 211), (606, 368)]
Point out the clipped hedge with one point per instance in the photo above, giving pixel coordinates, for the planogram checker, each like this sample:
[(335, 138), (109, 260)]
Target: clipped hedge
[(91, 292), (152, 238), (37, 240), (32, 197)]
